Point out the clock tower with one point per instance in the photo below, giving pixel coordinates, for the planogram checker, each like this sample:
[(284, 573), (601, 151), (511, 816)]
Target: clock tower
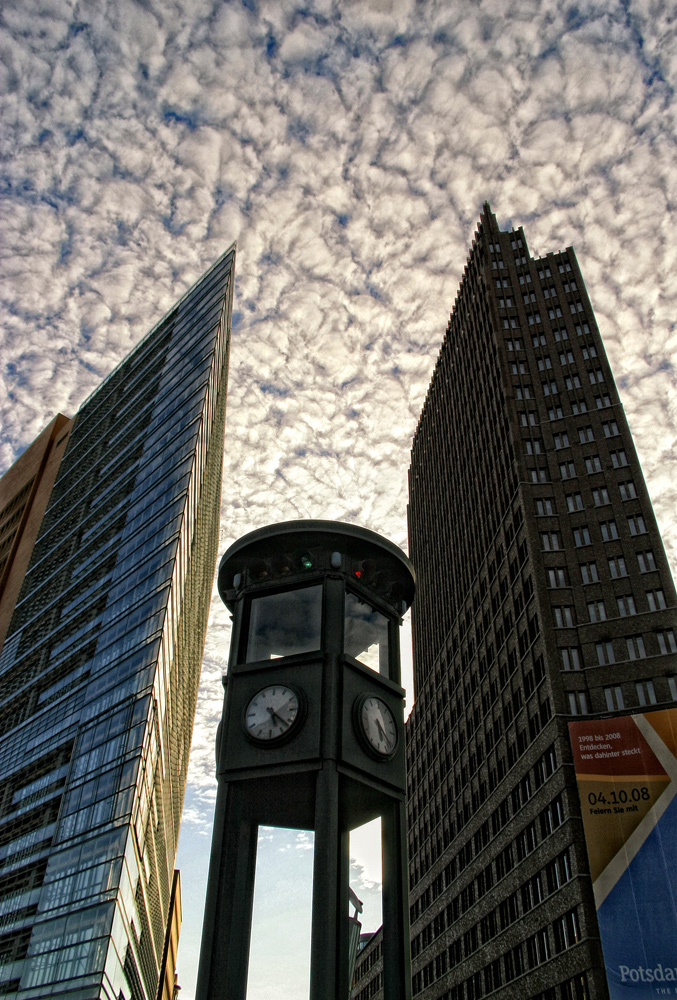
[(311, 737)]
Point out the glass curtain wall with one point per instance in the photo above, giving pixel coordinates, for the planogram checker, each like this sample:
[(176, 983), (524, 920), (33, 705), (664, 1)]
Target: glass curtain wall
[(100, 669)]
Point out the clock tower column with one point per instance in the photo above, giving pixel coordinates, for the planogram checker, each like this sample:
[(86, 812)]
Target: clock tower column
[(311, 737)]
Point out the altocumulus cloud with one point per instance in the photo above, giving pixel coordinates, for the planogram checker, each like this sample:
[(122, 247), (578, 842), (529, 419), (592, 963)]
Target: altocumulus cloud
[(347, 146)]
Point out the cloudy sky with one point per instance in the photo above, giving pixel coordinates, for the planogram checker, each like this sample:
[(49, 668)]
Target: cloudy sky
[(347, 147)]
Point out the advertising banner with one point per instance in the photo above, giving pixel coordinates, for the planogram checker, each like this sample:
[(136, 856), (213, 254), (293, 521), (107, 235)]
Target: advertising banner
[(627, 779)]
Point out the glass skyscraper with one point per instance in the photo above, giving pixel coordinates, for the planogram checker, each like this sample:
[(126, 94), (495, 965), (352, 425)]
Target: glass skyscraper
[(100, 667)]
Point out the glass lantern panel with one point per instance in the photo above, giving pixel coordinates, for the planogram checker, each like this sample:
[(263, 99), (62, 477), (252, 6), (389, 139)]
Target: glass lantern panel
[(285, 623), (366, 634)]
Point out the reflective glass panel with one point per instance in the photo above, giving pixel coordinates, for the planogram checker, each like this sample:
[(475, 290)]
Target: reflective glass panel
[(366, 634), (284, 624)]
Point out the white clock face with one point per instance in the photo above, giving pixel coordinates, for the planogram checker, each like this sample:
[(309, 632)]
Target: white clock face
[(378, 726), (272, 713)]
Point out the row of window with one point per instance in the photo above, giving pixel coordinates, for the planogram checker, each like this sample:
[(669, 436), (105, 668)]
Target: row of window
[(564, 614), (473, 989), (561, 935), (546, 506), (572, 657), (551, 541), (626, 605), (615, 700), (373, 987), (556, 412)]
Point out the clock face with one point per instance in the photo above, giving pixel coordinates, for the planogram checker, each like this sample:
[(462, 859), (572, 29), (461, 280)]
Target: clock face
[(377, 726), (272, 713)]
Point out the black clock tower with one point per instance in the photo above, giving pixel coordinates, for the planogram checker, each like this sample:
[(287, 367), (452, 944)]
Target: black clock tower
[(312, 737)]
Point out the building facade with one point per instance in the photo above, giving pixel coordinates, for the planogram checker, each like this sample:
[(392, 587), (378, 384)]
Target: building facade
[(100, 666), (543, 594)]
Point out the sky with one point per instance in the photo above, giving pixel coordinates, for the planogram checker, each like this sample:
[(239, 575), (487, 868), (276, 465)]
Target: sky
[(347, 147)]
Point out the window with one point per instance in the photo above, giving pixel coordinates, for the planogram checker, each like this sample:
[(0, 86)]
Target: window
[(537, 948), (646, 561), (534, 447), (672, 684), (605, 653), (600, 497), (666, 641), (593, 464), (580, 330), (544, 274), (626, 605), (558, 872), (645, 693), (602, 401), (655, 600), (557, 577), (636, 648), (589, 573), (617, 567), (619, 459), (523, 392), (567, 358), (588, 351), (578, 703), (585, 435), (532, 891), (609, 530), (596, 376), (544, 363), (567, 470), (573, 382), (571, 658), (564, 616), (574, 502), (555, 413), (514, 345), (566, 931), (285, 623), (545, 506), (539, 339), (550, 388), (528, 297), (528, 419), (610, 429), (551, 541), (579, 406), (519, 368), (539, 475), (627, 490), (581, 536), (596, 611), (503, 303), (636, 525), (365, 634), (561, 335), (562, 440), (614, 698)]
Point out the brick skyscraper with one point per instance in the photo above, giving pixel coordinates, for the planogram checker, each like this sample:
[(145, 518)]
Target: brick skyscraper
[(107, 576), (543, 594)]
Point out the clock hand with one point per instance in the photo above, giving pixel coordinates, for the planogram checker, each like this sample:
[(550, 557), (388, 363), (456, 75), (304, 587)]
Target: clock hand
[(274, 716), (380, 728)]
